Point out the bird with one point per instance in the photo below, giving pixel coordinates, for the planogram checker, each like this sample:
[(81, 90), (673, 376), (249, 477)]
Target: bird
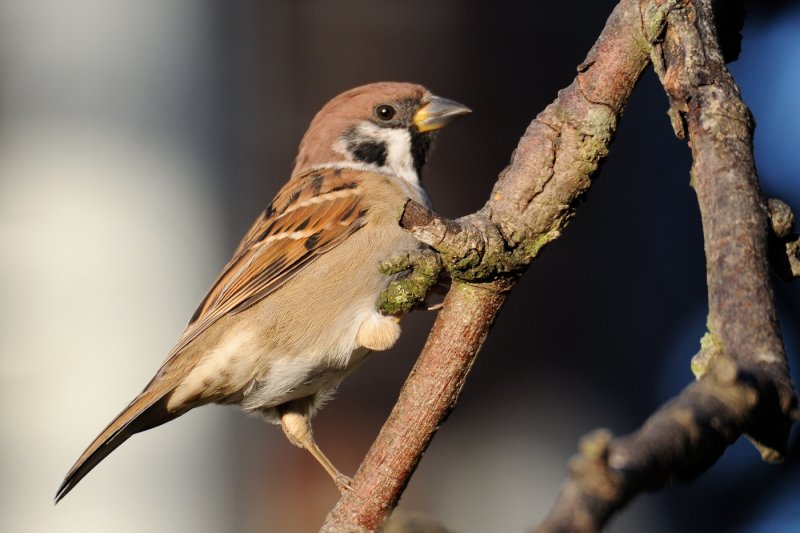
[(294, 311)]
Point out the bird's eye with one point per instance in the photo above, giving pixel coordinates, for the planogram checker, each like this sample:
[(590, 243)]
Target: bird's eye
[(385, 112)]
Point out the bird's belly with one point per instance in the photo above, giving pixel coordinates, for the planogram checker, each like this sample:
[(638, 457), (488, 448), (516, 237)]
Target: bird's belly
[(301, 341), (298, 376)]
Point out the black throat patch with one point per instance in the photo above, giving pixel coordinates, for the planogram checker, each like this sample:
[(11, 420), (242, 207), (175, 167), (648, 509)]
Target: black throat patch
[(421, 144)]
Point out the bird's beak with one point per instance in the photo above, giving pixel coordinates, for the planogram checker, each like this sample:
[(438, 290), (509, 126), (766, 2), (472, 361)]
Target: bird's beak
[(438, 113)]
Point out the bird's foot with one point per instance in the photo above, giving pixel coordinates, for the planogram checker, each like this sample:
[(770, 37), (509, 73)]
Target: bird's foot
[(343, 483)]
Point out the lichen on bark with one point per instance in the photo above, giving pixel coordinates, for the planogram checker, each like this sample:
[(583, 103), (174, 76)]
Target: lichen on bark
[(421, 269)]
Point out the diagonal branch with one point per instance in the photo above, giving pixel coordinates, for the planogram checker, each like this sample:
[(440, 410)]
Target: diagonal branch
[(743, 382), (485, 252)]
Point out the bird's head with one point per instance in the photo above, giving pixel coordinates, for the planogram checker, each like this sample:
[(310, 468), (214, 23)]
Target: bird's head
[(384, 126)]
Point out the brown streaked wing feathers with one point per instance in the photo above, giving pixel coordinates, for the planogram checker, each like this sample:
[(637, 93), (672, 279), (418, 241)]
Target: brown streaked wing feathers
[(268, 257), (263, 262)]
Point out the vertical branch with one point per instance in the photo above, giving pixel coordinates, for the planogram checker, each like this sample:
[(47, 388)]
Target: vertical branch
[(743, 383), (742, 320)]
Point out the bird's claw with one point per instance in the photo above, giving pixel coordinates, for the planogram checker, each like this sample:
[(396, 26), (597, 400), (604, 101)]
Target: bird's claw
[(344, 484)]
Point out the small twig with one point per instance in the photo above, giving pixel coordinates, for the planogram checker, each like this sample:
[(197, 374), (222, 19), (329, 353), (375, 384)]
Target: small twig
[(784, 249), (781, 218)]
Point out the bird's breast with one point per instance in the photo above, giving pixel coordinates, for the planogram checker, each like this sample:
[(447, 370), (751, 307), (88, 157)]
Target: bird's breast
[(304, 338)]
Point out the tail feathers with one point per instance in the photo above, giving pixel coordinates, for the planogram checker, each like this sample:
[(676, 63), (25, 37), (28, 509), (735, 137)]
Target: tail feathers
[(147, 411)]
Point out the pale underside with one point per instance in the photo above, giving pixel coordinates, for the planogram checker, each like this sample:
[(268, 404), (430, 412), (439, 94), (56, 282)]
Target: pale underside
[(304, 339)]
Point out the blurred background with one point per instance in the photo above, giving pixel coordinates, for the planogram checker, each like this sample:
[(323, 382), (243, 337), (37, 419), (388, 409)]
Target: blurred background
[(138, 141)]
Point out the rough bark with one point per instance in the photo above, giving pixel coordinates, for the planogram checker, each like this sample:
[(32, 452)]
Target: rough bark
[(484, 253), (429, 394), (743, 381), (735, 215)]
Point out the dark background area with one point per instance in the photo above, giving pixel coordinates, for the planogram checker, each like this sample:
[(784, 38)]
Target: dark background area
[(598, 333)]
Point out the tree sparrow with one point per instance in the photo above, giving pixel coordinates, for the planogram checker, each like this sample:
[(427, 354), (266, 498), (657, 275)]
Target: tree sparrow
[(294, 311)]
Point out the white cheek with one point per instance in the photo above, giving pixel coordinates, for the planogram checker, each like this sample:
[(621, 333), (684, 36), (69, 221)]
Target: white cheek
[(399, 161), (398, 149), (340, 147)]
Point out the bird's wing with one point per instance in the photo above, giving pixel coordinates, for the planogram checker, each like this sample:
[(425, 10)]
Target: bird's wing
[(313, 213)]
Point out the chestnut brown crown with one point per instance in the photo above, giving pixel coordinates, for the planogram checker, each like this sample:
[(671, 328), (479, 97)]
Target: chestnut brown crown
[(386, 126)]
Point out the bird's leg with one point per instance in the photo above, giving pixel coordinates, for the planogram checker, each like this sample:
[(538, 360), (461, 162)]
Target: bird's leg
[(297, 427), (408, 292)]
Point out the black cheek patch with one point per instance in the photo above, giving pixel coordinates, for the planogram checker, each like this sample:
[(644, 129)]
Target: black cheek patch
[(369, 152)]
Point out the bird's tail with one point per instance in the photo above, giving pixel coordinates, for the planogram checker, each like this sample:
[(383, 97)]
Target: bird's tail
[(146, 411)]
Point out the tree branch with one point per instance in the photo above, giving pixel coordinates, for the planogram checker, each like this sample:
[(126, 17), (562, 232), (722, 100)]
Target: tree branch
[(736, 221), (485, 252), (743, 383)]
